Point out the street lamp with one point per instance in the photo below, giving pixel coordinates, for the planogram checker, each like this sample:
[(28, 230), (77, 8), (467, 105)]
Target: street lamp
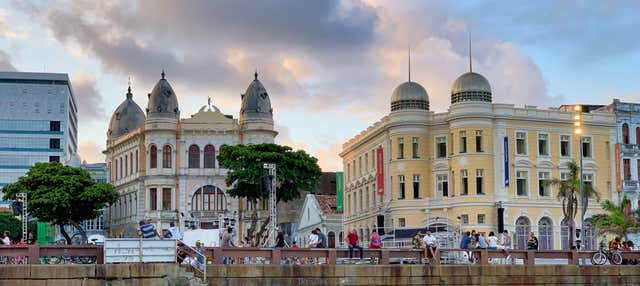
[(578, 129)]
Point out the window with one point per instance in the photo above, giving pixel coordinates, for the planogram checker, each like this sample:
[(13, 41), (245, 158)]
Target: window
[(587, 179), (348, 206), (126, 165), (543, 144), (137, 161), (131, 163), (479, 141), (116, 174), (521, 184), (366, 197), (414, 148), (479, 175), (360, 166), (54, 143), (194, 156), (564, 176), (464, 218), (442, 185), (360, 200), (153, 157), (401, 181), (153, 199), (54, 125), (348, 172), (209, 198), (166, 156), (401, 222), (166, 199), (54, 158), (625, 133), (441, 147), (480, 218), (416, 186), (565, 145), (373, 159), (637, 135), (463, 141), (464, 185), (400, 148), (521, 143), (121, 168), (627, 169), (366, 162), (586, 147), (544, 184)]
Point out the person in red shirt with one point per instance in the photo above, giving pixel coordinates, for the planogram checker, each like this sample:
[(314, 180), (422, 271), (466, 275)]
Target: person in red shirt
[(375, 241), (614, 244), (352, 238)]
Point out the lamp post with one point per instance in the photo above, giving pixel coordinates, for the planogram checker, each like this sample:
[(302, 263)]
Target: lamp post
[(578, 130)]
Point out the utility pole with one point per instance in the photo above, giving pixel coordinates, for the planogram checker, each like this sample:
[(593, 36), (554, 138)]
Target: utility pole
[(25, 213), (272, 204)]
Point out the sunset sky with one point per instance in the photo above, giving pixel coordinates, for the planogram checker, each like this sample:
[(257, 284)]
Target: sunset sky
[(329, 66)]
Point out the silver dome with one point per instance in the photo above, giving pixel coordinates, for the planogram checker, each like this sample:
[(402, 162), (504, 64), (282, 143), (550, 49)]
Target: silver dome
[(409, 95), (471, 87), (127, 117), (255, 101), (163, 101)]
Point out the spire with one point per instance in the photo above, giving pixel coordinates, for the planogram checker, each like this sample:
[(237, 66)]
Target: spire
[(470, 66), (129, 94), (409, 63), (162, 74), (255, 74)]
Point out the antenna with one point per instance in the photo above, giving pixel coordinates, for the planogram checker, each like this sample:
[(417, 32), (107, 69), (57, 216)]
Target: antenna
[(470, 66), (409, 63)]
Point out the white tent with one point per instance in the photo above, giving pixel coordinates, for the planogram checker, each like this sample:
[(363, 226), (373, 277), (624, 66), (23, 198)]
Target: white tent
[(208, 237)]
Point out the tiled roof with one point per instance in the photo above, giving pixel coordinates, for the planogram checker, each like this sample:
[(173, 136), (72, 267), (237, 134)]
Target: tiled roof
[(327, 204)]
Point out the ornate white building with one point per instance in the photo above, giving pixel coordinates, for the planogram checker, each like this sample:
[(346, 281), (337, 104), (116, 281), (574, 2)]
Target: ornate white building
[(165, 167)]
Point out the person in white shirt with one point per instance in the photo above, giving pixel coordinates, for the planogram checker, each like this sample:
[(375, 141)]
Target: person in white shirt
[(493, 244), (175, 231), (430, 243), (313, 239)]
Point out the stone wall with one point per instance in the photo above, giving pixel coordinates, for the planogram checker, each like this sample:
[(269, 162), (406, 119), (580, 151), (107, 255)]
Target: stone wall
[(246, 275)]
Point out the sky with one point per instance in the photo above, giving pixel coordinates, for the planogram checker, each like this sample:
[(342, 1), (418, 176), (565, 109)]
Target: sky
[(330, 66)]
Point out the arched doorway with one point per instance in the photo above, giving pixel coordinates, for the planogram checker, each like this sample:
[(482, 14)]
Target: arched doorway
[(331, 239), (564, 233), (590, 237), (523, 228), (545, 234)]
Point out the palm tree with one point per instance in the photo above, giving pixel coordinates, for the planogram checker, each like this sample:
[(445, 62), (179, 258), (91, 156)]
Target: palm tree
[(569, 193), (618, 219)]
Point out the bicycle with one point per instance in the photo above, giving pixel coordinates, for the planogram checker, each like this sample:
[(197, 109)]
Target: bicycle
[(601, 257)]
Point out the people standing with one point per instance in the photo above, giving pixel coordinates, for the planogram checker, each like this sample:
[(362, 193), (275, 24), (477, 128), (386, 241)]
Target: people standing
[(353, 239), (227, 238), (280, 239), (375, 241), (322, 239), (313, 239), (532, 243), (6, 240)]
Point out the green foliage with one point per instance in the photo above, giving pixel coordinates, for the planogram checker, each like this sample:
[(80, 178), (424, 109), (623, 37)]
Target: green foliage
[(296, 170), (618, 219), (9, 222), (62, 195)]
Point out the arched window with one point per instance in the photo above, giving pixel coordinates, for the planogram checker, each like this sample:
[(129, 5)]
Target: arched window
[(564, 234), (590, 236), (523, 228), (166, 156), (208, 198), (545, 234), (153, 157), (209, 156), (194, 156), (625, 133), (121, 168), (137, 161)]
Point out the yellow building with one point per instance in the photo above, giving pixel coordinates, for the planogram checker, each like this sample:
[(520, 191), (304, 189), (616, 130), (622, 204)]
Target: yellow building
[(449, 170)]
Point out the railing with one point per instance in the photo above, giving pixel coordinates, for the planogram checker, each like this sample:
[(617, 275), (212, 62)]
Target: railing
[(52, 254), (629, 148), (630, 185), (192, 257)]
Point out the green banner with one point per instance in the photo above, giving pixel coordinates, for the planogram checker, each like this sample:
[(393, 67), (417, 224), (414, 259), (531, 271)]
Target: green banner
[(339, 190)]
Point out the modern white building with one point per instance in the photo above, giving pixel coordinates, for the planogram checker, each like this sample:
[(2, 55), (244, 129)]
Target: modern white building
[(165, 167), (38, 122)]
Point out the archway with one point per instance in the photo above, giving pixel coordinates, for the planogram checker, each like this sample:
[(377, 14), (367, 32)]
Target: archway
[(564, 233), (523, 228), (331, 239), (208, 198), (545, 234)]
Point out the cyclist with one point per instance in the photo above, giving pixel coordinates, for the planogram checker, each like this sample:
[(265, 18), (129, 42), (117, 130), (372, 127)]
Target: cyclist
[(614, 244)]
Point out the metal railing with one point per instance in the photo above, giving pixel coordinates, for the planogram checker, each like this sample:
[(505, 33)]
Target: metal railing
[(197, 260)]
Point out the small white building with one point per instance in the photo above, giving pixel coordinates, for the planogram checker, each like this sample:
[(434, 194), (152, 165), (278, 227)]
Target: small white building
[(320, 211)]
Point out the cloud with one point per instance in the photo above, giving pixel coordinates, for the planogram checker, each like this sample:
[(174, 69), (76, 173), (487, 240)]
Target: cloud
[(88, 97), (5, 62), (91, 152)]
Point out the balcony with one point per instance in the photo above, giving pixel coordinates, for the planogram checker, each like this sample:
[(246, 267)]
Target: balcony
[(629, 149), (629, 185)]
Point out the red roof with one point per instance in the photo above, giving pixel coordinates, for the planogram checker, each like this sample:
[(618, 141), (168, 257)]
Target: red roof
[(327, 204)]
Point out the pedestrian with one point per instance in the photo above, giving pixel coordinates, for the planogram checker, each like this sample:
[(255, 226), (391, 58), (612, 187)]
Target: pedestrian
[(506, 240), (375, 241), (227, 238), (148, 230), (174, 231), (493, 244), (322, 239), (6, 240), (481, 242), (532, 243), (430, 244), (313, 239), (31, 238), (466, 240), (352, 238), (280, 239)]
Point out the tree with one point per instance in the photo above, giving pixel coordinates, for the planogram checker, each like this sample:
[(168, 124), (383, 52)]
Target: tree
[(569, 194), (62, 195), (618, 220), (12, 224), (296, 171)]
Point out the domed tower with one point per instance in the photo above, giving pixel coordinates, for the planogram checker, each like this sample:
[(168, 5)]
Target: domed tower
[(163, 102), (127, 117), (470, 86), (409, 95), (256, 114)]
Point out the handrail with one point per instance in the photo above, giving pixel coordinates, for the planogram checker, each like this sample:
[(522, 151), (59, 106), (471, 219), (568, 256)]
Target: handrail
[(200, 258)]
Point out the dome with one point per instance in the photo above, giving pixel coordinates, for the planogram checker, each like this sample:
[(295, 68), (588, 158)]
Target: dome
[(255, 101), (163, 101), (471, 87), (128, 116), (409, 95)]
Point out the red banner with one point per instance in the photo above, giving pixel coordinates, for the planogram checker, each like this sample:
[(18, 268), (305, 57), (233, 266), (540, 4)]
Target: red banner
[(380, 171)]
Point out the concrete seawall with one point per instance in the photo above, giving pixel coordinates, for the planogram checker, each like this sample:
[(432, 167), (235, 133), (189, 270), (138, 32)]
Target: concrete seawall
[(171, 274)]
